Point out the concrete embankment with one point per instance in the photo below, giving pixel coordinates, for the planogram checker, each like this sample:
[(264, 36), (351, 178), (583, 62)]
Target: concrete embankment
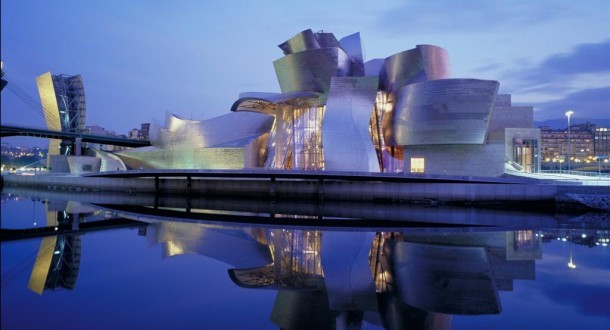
[(329, 187)]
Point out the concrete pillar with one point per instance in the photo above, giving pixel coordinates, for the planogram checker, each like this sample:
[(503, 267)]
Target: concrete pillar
[(78, 142)]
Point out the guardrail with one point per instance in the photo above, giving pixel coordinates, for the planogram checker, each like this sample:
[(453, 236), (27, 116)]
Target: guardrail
[(579, 173)]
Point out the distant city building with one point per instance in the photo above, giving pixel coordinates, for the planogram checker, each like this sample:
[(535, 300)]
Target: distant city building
[(140, 134), (134, 134), (601, 141), (336, 112), (144, 129), (587, 143), (98, 130), (14, 157)]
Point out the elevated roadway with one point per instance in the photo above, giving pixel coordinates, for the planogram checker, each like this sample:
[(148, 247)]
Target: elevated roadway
[(12, 130)]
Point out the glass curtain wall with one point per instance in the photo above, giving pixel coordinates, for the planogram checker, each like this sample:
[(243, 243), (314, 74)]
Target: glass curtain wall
[(390, 158), (296, 139), (526, 154)]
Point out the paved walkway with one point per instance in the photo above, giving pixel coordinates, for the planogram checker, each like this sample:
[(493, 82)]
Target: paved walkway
[(589, 180)]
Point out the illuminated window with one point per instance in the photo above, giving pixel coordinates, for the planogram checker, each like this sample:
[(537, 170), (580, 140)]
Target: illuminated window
[(417, 165)]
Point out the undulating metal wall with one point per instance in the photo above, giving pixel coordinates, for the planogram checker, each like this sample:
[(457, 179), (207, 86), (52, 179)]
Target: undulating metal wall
[(311, 70), (304, 40), (352, 45), (423, 63), (345, 130), (231, 141), (448, 111)]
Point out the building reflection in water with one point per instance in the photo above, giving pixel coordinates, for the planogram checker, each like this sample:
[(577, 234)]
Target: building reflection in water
[(338, 280), (335, 279)]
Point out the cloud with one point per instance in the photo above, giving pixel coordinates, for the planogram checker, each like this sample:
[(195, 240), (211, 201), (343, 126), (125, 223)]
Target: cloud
[(584, 59), (578, 79), (591, 103), (467, 15)]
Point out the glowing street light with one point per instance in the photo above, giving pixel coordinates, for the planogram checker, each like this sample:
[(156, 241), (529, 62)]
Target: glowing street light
[(568, 114)]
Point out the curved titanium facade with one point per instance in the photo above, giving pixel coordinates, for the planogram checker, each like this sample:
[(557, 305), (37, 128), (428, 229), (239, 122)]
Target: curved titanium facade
[(245, 127), (352, 45), (302, 41), (345, 129), (268, 102), (231, 141), (423, 63), (311, 70), (235, 129), (449, 111)]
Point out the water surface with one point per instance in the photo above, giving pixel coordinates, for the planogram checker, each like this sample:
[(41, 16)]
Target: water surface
[(194, 270)]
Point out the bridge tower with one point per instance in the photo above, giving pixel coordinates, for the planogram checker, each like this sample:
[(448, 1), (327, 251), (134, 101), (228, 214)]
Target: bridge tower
[(3, 82), (63, 101)]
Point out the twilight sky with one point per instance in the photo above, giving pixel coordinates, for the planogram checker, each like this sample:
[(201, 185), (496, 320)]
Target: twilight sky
[(142, 59)]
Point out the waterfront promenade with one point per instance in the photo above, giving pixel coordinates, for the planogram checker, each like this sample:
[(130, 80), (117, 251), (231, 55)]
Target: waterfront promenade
[(540, 191)]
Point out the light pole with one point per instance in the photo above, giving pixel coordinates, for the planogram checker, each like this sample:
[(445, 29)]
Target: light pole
[(568, 114), (599, 163)]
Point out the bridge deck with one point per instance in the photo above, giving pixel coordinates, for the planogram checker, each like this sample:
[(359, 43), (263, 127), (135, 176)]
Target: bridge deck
[(10, 130)]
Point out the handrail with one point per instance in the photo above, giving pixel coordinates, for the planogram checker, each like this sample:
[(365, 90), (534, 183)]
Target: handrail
[(579, 173)]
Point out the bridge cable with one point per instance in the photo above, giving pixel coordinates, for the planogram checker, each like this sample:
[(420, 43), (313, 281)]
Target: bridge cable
[(27, 99), (24, 99)]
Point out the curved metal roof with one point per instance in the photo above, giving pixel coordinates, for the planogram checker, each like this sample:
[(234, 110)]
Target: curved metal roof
[(266, 102)]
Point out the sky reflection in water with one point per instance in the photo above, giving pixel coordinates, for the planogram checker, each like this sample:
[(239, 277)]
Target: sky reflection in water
[(192, 275)]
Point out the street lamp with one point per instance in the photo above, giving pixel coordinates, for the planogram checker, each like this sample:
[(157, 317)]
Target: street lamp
[(568, 114), (599, 163)]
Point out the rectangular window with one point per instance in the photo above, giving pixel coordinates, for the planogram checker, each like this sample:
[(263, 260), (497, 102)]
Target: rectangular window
[(417, 165), (87, 167)]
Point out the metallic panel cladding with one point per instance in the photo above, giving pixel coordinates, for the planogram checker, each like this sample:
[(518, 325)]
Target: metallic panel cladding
[(345, 129), (423, 63), (304, 40), (231, 141), (372, 68), (267, 102), (235, 129), (448, 111), (307, 40), (311, 70), (352, 45)]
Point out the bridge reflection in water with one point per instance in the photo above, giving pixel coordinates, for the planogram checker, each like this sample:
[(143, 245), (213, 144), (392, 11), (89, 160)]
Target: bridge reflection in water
[(327, 277)]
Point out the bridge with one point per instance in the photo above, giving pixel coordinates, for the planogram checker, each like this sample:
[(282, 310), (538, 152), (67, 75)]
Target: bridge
[(67, 229), (11, 130)]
